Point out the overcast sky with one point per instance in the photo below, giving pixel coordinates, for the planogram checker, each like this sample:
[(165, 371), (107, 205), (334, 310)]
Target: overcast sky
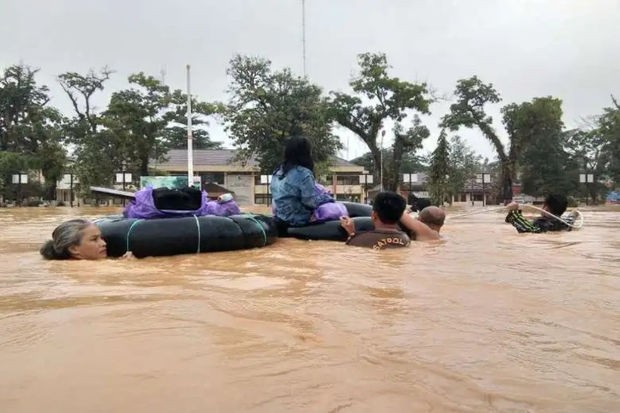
[(527, 48)]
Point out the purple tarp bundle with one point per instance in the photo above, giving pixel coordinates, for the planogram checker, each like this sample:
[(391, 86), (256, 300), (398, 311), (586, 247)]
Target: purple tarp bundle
[(328, 209), (143, 206)]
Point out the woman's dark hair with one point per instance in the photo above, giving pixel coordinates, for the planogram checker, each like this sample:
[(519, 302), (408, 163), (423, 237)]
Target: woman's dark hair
[(298, 152), (66, 235)]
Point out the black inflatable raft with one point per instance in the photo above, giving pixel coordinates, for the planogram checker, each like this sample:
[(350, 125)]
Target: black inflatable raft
[(172, 236), (331, 230)]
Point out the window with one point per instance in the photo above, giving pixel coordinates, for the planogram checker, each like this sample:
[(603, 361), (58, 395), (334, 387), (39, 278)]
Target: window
[(348, 197), (262, 199), (348, 179), (257, 179)]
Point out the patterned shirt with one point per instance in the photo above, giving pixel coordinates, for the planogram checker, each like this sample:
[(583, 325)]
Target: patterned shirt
[(542, 224)]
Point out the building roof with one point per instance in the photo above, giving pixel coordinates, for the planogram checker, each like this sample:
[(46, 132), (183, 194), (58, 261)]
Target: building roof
[(207, 159), (337, 161), (202, 157)]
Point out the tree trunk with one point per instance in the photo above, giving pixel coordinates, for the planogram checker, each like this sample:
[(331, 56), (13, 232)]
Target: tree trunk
[(506, 178), (376, 157), (50, 192), (397, 159), (144, 166)]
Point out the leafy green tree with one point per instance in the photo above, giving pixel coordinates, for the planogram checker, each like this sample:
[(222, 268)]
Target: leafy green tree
[(595, 149), (80, 90), (137, 117), (175, 134), (98, 160), (378, 98), (11, 163), (93, 150), (469, 111), (266, 107), (586, 153), (464, 164), (406, 143), (411, 162), (609, 129), (29, 128), (536, 147), (51, 156), (525, 123), (20, 100), (440, 169), (547, 168)]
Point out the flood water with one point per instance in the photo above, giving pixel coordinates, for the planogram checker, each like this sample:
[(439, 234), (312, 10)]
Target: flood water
[(485, 321)]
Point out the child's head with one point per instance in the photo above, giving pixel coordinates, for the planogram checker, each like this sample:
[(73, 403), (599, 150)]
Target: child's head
[(556, 204), (388, 207)]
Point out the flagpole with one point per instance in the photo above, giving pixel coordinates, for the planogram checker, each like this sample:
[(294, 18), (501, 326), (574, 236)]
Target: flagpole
[(190, 140)]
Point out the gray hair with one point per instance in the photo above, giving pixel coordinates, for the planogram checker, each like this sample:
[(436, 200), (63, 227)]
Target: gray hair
[(66, 235)]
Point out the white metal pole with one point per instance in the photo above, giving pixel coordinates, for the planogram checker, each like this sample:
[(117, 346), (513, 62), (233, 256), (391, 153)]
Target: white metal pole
[(190, 140)]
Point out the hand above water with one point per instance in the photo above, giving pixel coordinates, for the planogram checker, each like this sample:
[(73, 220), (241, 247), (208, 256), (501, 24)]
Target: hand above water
[(348, 225), (128, 256), (513, 206)]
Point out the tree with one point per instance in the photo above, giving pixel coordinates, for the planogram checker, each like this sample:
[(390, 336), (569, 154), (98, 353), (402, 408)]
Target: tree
[(51, 155), (609, 128), (98, 159), (405, 143), (378, 98), (464, 163), (410, 162), (469, 111), (80, 90), (546, 168), (20, 100), (266, 107), (11, 163), (29, 129), (535, 131), (595, 149), (93, 149), (525, 123), (175, 134), (439, 177), (136, 118)]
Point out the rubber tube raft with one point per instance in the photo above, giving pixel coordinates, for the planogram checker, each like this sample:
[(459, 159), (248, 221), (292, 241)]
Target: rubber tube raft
[(331, 230), (172, 236)]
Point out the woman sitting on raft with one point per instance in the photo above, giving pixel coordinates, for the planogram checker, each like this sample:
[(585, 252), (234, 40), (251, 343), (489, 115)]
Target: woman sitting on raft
[(293, 187), (75, 239)]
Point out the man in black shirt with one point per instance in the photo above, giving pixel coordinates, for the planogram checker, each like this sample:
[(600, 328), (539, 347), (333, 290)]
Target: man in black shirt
[(387, 209)]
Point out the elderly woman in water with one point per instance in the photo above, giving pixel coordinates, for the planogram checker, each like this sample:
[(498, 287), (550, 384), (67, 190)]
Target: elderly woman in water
[(75, 239)]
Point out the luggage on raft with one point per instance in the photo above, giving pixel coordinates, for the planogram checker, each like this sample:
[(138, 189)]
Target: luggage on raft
[(185, 235)]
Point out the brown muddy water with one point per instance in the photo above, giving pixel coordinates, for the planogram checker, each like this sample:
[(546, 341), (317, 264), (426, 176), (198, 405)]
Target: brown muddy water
[(485, 321)]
